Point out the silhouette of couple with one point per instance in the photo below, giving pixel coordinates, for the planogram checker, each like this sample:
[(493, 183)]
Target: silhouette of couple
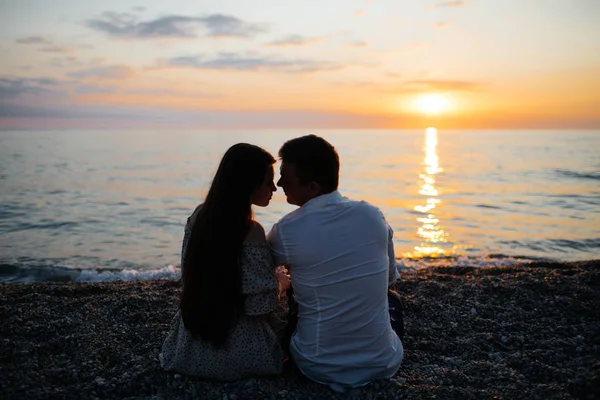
[(317, 289)]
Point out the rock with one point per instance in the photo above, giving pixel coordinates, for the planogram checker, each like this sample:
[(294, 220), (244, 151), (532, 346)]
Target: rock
[(49, 353), (354, 394)]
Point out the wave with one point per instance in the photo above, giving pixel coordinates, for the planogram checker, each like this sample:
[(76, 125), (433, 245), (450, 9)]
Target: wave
[(489, 260), (27, 273), (10, 273), (578, 174), (589, 245)]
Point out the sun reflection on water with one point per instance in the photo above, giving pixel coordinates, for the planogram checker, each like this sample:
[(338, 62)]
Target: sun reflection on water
[(430, 231)]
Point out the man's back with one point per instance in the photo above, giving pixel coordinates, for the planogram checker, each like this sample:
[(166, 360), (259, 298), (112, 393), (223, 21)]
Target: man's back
[(337, 252)]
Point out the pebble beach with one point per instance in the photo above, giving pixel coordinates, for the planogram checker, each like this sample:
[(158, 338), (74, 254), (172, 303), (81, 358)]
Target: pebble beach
[(526, 331)]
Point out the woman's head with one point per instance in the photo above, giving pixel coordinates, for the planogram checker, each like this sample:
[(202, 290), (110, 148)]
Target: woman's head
[(211, 272), (244, 176)]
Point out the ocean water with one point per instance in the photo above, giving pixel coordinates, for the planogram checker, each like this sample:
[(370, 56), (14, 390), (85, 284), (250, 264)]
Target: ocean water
[(106, 205)]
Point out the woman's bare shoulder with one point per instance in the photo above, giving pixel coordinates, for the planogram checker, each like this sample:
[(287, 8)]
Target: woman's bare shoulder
[(192, 217), (256, 233)]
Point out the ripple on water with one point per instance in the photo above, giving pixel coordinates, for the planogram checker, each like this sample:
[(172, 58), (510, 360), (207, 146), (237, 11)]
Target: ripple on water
[(594, 175), (588, 245)]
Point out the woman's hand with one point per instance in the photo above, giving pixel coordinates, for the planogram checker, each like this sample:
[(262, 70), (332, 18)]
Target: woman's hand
[(283, 278)]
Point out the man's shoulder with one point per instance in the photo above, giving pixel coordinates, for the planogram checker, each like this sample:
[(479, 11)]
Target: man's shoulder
[(290, 217), (365, 206)]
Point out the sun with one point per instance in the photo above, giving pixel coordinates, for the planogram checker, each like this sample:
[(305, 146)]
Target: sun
[(432, 104)]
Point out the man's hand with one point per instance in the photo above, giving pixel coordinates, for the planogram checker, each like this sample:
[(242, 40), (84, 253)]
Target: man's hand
[(283, 278)]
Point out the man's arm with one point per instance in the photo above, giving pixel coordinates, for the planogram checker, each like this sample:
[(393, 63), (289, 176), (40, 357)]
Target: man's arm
[(277, 247), (393, 267)]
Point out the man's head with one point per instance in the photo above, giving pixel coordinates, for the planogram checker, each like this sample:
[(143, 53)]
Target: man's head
[(310, 167)]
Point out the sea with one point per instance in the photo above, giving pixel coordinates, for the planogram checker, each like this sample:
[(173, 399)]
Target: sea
[(97, 205)]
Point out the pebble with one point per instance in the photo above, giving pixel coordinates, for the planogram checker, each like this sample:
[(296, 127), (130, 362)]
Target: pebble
[(106, 343)]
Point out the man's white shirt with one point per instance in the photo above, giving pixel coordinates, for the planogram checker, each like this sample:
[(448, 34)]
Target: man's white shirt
[(341, 258)]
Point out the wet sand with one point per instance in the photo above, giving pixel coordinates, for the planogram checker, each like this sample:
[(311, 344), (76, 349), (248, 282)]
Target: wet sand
[(516, 332)]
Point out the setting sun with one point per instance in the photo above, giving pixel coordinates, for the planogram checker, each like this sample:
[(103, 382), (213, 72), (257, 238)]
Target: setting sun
[(432, 104)]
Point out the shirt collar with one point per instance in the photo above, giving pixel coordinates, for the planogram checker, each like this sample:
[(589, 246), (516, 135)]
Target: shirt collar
[(323, 199)]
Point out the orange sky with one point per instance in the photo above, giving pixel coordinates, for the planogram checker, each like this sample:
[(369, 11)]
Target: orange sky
[(344, 64)]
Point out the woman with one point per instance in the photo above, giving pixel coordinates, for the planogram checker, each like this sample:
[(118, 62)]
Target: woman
[(225, 328)]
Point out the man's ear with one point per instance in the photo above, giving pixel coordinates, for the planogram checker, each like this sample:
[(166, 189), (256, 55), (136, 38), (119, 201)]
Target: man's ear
[(315, 189)]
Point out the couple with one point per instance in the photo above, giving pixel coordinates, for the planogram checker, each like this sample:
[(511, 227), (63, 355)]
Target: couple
[(344, 320)]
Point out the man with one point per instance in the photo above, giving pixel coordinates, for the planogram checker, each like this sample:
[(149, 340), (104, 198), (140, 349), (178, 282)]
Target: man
[(341, 259)]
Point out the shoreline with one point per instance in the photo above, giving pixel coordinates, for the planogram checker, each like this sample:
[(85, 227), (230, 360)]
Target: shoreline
[(520, 331)]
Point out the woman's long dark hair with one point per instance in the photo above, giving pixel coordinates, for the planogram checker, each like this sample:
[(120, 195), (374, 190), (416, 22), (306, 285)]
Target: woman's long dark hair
[(211, 272)]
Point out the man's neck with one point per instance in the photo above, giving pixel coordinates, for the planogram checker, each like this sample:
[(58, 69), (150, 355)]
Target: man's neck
[(314, 197)]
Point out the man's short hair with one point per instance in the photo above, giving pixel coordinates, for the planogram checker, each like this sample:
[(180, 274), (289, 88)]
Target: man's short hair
[(314, 159)]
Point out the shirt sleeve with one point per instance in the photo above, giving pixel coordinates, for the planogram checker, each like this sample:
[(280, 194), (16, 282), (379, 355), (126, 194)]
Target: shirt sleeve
[(393, 266), (259, 284), (277, 247)]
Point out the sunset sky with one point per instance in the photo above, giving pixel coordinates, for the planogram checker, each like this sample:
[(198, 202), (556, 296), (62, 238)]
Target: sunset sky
[(300, 64)]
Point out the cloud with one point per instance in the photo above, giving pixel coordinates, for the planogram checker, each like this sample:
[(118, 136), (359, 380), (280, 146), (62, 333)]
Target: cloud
[(86, 89), (107, 72), (11, 88), (433, 85), (52, 48), (358, 84), (65, 61), (125, 25), (358, 43), (92, 115), (293, 40), (95, 89), (441, 25), (48, 46), (359, 13), (168, 92), (451, 4), (231, 61), (8, 110), (34, 40)]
